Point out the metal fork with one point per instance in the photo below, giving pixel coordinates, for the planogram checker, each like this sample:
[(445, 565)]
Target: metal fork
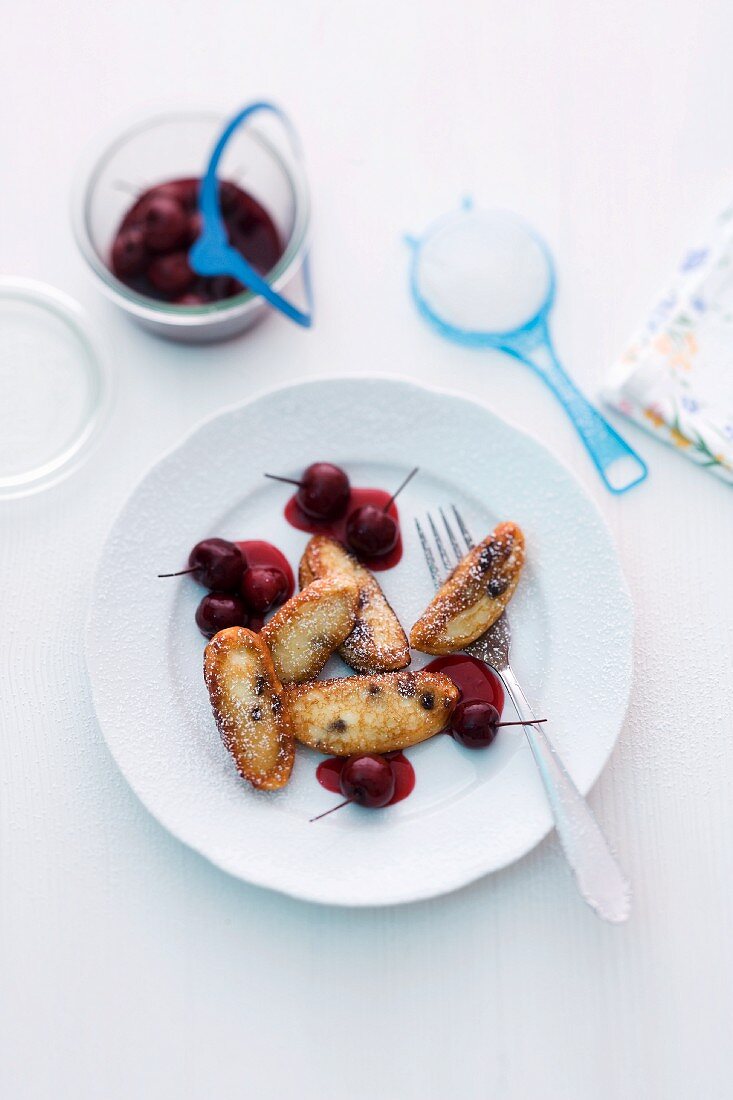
[(600, 880)]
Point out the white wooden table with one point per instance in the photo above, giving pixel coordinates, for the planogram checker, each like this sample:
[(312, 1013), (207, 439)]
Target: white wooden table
[(130, 967)]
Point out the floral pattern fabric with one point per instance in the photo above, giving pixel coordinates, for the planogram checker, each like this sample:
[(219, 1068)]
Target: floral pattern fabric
[(676, 376)]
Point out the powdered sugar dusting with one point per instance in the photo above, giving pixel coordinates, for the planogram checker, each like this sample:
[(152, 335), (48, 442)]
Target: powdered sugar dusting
[(571, 650), (304, 633)]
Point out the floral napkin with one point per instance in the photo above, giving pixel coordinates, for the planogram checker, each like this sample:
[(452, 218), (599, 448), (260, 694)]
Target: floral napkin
[(676, 377)]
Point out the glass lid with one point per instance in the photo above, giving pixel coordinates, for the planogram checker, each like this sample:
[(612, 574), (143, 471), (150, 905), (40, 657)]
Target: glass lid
[(55, 387)]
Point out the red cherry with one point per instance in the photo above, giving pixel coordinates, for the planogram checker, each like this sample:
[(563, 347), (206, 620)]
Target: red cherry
[(475, 723), (371, 532), (129, 254), (241, 223), (218, 564), (215, 563), (367, 780), (228, 196), (195, 225), (163, 221), (252, 232), (217, 611), (185, 192), (324, 491), (224, 286), (171, 273), (263, 587), (191, 298)]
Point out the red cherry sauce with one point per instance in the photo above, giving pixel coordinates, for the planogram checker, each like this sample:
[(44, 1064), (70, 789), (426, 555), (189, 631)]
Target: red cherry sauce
[(257, 552), (328, 774), (297, 518), (475, 680), (249, 227)]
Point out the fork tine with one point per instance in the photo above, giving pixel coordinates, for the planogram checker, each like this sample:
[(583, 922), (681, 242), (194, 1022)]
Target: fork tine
[(442, 549), (438, 542), (453, 540), (429, 556), (463, 529)]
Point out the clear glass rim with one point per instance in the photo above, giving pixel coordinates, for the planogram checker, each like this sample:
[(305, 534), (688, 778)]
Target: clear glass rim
[(165, 312), (60, 465)]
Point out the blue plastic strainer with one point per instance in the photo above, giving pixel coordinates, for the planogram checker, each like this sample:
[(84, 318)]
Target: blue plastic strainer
[(485, 279)]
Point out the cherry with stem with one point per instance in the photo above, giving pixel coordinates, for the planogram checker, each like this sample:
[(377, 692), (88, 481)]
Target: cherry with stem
[(323, 490), (285, 480), (534, 722), (366, 779), (215, 563), (371, 531), (338, 806), (476, 722), (399, 489)]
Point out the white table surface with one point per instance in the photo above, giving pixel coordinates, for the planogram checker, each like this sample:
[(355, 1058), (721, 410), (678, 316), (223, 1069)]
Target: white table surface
[(130, 967)]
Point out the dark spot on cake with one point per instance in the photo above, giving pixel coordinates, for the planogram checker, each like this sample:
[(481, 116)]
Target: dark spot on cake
[(427, 700), (406, 687), (256, 714), (496, 587), (337, 726), (277, 705), (363, 598), (260, 683), (447, 702), (505, 546), (485, 558), (374, 689)]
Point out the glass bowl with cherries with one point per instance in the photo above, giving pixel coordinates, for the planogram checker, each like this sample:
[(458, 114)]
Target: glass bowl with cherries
[(135, 218)]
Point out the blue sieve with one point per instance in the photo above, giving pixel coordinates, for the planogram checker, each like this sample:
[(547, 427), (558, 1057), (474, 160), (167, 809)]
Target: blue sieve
[(485, 279)]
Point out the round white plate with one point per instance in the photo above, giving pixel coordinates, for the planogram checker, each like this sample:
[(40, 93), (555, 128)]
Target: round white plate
[(472, 811)]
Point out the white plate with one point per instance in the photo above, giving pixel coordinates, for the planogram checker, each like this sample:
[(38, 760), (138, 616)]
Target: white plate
[(472, 811)]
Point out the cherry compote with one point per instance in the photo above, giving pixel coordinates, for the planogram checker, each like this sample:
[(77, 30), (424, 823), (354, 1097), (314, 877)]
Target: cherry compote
[(150, 250), (247, 579), (367, 780), (475, 723), (371, 532), (376, 498), (163, 220), (219, 610), (264, 587), (474, 679), (261, 555), (328, 774), (323, 491), (477, 716), (216, 564), (364, 520)]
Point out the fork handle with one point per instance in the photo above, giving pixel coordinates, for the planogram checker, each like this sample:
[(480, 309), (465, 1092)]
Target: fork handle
[(600, 880)]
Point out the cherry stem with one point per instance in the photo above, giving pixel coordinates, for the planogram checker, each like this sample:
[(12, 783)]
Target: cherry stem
[(287, 480), (332, 810), (180, 573), (535, 722), (397, 492)]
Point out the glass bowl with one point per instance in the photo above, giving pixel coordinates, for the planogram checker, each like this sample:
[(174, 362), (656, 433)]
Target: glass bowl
[(175, 145)]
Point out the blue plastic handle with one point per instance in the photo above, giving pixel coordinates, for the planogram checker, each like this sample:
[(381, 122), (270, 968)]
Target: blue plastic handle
[(618, 464), (212, 254), (620, 467)]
